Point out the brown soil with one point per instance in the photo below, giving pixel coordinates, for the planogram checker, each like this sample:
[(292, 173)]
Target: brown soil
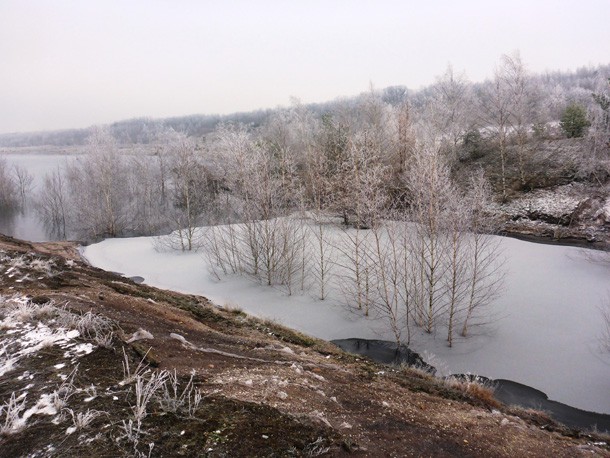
[(268, 391)]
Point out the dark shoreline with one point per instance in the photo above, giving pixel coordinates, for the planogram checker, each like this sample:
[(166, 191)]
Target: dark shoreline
[(507, 391), (576, 242)]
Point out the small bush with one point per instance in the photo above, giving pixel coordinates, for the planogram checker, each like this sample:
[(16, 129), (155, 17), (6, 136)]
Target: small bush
[(476, 387), (574, 122)]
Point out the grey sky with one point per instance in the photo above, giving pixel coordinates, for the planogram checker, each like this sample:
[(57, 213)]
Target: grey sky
[(77, 63)]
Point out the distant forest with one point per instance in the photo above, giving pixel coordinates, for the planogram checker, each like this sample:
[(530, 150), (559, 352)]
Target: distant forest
[(555, 90)]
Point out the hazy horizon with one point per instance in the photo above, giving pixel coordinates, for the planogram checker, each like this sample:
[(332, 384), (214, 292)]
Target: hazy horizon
[(74, 64)]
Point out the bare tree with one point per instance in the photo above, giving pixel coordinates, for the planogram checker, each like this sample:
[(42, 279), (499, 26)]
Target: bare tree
[(456, 281), (405, 141), (261, 177), (334, 181), (9, 192), (596, 161), (53, 203), (98, 185), (24, 180), (365, 199), (192, 192), (387, 256), (496, 108), (485, 263), (149, 199), (449, 110), (429, 185), (323, 251), (524, 106)]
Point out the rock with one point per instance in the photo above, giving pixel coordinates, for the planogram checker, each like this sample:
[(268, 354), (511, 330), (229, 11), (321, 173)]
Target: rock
[(140, 334), (40, 300)]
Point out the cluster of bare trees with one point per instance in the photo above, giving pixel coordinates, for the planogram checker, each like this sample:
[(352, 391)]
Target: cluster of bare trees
[(367, 209), (108, 193), (9, 194), (16, 183)]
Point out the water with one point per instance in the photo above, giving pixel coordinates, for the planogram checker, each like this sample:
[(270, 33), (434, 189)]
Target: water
[(26, 224)]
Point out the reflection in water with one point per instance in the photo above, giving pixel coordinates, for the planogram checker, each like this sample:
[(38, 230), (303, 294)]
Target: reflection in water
[(7, 221), (26, 224)]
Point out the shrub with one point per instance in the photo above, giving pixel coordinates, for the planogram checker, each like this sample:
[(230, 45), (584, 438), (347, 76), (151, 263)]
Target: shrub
[(574, 121)]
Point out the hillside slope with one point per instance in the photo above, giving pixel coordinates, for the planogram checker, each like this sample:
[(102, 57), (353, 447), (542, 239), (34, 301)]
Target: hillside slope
[(92, 364)]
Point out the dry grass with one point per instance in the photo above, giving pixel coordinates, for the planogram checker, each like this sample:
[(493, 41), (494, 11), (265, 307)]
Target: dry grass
[(474, 387)]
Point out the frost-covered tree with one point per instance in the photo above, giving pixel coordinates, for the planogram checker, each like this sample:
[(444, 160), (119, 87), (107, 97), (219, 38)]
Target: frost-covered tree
[(53, 203), (484, 263), (99, 188), (524, 107), (9, 191), (597, 158), (191, 190), (429, 186), (450, 110), (261, 186), (505, 110), (24, 181)]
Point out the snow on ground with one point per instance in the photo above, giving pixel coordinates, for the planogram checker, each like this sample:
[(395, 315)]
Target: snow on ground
[(545, 332), (26, 329)]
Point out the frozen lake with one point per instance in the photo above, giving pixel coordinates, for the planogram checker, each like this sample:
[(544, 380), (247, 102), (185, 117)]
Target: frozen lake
[(545, 330)]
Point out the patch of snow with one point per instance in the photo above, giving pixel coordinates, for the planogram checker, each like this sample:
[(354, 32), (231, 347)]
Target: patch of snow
[(84, 348), (22, 338)]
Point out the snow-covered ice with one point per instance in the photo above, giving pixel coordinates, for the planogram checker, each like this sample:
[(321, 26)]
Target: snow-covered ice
[(545, 332)]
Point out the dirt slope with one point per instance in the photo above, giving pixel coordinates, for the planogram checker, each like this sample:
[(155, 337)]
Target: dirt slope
[(242, 387)]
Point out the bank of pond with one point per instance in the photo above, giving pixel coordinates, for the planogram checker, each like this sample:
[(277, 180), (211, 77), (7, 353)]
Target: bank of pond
[(505, 391)]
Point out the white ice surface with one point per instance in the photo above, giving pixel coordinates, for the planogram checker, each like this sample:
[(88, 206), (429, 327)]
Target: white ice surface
[(545, 334)]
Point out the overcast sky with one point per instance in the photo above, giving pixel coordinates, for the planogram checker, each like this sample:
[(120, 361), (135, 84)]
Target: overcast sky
[(76, 63)]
